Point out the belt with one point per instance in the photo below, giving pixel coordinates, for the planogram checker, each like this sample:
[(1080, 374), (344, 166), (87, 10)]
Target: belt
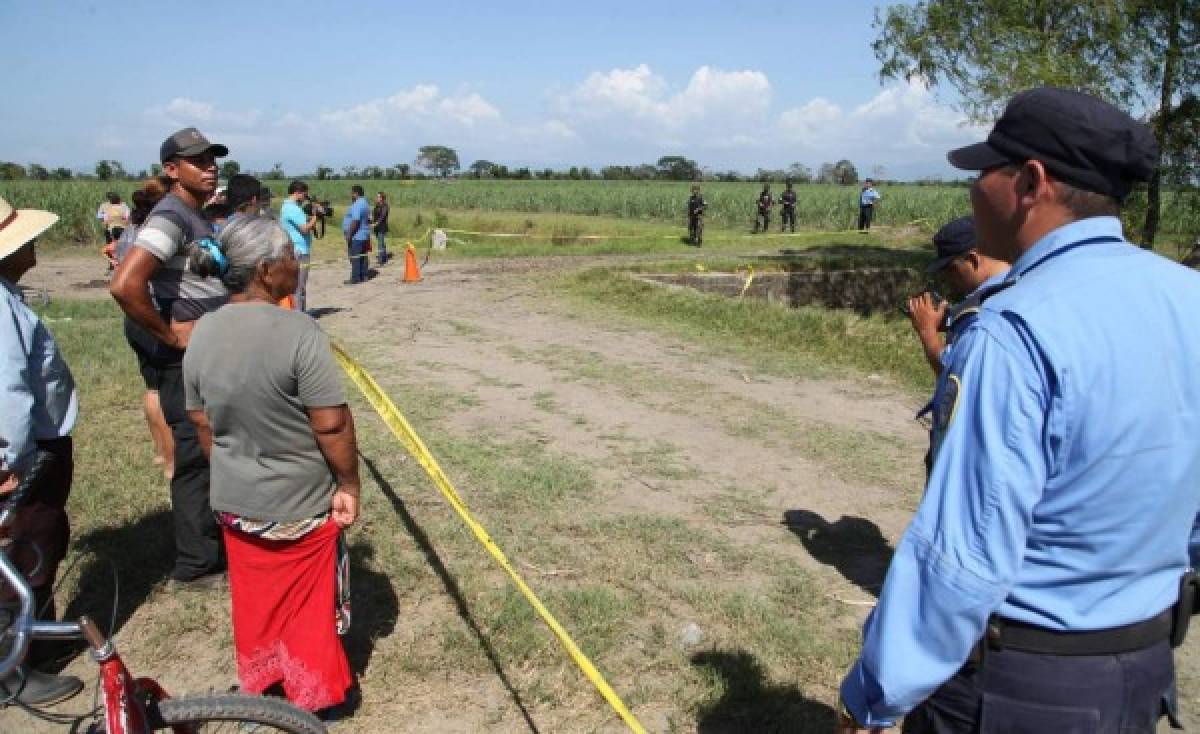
[(1009, 634)]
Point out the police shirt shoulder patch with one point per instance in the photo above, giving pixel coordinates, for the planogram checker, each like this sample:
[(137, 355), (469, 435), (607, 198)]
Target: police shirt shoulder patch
[(947, 404)]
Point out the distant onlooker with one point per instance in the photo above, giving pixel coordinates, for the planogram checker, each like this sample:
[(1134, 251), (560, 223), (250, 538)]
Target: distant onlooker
[(356, 226), (867, 198), (299, 227), (114, 218), (379, 218)]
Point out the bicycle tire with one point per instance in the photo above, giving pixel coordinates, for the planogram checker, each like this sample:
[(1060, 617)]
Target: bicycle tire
[(234, 708)]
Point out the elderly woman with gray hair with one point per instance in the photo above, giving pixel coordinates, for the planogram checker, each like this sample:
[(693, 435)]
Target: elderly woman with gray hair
[(267, 399)]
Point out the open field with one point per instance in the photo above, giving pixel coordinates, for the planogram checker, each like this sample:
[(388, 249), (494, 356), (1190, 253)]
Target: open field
[(563, 210), (705, 493)]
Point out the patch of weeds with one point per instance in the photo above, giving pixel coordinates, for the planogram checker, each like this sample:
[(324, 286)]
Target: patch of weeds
[(462, 328), (658, 460)]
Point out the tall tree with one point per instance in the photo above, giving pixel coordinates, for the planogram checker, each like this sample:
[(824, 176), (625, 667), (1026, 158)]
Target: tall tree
[(844, 172), (1139, 54), (104, 170), (10, 171), (481, 168), (38, 172), (324, 173), (437, 158), (229, 169), (677, 168)]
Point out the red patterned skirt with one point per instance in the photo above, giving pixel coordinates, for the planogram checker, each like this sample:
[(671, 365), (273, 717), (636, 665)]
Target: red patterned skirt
[(284, 631)]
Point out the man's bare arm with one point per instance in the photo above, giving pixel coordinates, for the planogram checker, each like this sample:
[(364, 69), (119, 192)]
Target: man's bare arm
[(131, 289), (203, 431)]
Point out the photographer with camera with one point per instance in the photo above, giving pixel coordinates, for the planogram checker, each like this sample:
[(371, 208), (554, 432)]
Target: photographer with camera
[(965, 271)]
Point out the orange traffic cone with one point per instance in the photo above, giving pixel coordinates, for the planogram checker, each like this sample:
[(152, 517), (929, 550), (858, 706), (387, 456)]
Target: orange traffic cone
[(412, 274)]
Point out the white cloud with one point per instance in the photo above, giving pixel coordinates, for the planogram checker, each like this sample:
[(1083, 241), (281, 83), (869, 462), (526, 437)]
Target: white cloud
[(468, 110), (902, 125), (422, 108), (723, 119), (714, 106)]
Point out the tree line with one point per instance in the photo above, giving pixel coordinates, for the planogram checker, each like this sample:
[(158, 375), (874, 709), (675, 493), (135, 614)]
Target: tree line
[(442, 162)]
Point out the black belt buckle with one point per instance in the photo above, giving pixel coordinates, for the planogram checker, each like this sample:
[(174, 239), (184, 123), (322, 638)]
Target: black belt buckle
[(1184, 608)]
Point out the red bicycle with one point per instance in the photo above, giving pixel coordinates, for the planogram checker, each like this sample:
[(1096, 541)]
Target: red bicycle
[(135, 705)]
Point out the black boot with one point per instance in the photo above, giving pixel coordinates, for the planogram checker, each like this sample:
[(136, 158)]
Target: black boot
[(33, 688)]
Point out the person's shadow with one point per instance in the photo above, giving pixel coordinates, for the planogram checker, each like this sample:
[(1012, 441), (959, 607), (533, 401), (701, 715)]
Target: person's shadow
[(374, 607), (751, 704), (450, 585), (853, 545)]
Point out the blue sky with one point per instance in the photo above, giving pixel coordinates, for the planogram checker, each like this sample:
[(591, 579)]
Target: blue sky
[(733, 85)]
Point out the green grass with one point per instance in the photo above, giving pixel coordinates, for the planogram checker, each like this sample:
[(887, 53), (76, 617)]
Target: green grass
[(778, 339), (591, 207)]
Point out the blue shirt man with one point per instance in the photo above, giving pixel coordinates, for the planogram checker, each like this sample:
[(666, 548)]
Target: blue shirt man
[(358, 211), (1063, 492), (292, 217), (356, 226)]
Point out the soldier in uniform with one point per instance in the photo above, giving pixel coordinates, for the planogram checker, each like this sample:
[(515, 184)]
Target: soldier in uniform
[(788, 213), (1045, 576), (765, 202), (695, 212)]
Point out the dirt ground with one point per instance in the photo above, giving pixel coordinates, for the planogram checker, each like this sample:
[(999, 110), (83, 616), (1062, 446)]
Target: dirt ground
[(488, 328)]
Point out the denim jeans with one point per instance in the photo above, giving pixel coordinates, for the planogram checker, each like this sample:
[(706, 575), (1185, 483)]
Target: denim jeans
[(302, 281), (380, 235), (357, 251)]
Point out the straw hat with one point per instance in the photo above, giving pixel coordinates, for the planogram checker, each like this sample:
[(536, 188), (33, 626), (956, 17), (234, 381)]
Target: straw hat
[(18, 226)]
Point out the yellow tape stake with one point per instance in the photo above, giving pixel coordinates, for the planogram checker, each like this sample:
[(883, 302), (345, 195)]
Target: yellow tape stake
[(412, 442)]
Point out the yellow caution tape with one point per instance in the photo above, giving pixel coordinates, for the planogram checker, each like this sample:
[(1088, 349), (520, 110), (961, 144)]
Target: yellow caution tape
[(416, 447), (749, 280)]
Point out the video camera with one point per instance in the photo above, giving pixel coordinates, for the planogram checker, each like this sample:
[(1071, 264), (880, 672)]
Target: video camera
[(937, 301)]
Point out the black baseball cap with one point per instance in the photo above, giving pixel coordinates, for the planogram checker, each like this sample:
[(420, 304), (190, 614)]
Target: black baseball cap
[(189, 141), (1082, 140), (953, 239)]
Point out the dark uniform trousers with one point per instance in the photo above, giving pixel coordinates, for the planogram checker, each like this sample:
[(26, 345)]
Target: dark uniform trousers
[(1015, 692), (762, 219), (198, 548), (865, 213), (789, 218)]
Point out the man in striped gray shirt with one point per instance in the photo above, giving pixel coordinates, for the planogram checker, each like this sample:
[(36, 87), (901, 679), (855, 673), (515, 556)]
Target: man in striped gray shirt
[(164, 321)]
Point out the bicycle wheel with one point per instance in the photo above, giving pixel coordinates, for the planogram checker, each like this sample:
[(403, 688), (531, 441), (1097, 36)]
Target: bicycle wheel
[(232, 712)]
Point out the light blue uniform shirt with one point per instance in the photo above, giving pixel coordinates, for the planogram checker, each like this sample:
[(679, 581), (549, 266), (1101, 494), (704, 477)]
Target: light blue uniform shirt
[(1065, 490), (291, 216), (867, 197), (358, 210), (37, 393)]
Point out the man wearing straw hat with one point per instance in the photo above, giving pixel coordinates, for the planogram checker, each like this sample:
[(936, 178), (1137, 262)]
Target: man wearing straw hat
[(38, 406)]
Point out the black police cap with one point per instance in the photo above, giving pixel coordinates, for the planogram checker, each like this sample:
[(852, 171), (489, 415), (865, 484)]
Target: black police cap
[(954, 239), (1082, 140)]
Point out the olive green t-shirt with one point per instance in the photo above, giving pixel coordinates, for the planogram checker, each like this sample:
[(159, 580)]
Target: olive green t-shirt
[(254, 368)]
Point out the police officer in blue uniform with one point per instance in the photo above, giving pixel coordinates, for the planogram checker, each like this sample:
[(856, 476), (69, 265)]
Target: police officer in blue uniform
[(1040, 585), (969, 275)]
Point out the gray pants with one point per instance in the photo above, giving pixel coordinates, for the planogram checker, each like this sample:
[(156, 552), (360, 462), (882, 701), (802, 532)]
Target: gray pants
[(302, 281)]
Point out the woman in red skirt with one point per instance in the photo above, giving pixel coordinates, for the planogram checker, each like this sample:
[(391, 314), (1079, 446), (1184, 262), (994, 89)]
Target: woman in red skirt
[(266, 395)]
